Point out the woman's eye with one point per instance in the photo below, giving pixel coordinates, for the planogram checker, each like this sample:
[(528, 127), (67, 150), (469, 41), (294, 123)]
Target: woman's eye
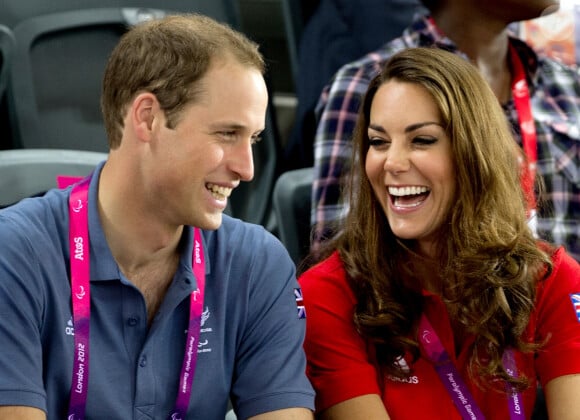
[(424, 141), (377, 142)]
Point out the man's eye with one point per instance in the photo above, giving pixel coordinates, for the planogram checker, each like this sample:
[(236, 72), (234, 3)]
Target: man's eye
[(227, 134)]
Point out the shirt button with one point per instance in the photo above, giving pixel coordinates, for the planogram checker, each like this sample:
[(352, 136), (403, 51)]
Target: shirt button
[(132, 321), (143, 361), (187, 281)]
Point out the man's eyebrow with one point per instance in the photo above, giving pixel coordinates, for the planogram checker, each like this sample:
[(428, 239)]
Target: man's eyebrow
[(227, 124)]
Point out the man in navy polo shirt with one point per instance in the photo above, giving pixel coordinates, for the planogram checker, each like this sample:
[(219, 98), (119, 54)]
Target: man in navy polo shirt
[(130, 295)]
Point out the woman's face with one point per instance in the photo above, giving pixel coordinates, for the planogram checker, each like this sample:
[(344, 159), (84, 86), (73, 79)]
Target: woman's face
[(409, 162)]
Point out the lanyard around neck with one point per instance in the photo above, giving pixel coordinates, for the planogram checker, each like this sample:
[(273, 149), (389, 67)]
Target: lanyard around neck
[(452, 380), (193, 331), (81, 296), (81, 305), (522, 102)]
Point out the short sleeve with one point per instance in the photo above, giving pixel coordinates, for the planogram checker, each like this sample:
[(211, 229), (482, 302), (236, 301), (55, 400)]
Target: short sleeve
[(270, 368), (21, 314), (339, 365), (558, 320)]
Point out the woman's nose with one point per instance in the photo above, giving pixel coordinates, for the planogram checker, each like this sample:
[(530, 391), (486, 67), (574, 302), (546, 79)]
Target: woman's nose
[(397, 160)]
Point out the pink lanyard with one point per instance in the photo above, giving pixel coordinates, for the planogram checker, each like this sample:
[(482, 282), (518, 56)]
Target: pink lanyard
[(81, 304), (522, 102), (452, 380)]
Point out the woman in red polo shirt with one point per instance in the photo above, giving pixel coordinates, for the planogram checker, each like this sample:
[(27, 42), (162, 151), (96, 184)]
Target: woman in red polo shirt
[(436, 301)]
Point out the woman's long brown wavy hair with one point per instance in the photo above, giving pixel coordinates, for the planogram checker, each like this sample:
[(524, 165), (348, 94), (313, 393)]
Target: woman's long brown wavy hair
[(486, 253)]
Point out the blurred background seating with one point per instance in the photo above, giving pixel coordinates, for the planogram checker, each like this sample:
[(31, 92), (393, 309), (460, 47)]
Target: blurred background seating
[(54, 81), (30, 172)]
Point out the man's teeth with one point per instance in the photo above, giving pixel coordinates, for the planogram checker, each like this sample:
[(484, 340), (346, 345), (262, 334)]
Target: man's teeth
[(220, 193), (403, 191)]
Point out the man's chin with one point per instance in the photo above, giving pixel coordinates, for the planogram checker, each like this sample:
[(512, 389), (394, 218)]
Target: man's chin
[(212, 222)]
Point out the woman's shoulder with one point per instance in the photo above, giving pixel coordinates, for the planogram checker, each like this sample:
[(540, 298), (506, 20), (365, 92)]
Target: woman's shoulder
[(327, 277), (563, 265), (559, 286), (330, 266)]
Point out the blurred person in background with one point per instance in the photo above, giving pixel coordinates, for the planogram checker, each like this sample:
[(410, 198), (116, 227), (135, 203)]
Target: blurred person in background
[(539, 96)]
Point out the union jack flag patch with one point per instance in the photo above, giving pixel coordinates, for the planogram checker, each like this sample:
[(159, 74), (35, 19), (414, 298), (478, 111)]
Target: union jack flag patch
[(300, 303), (576, 304)]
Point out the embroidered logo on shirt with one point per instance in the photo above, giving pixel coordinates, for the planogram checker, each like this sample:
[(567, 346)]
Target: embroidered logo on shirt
[(405, 367), (203, 339), (205, 316), (402, 364), (204, 333), (300, 303), (69, 329), (575, 297)]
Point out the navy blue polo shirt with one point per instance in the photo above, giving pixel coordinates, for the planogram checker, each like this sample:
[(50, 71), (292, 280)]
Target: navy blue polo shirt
[(250, 347)]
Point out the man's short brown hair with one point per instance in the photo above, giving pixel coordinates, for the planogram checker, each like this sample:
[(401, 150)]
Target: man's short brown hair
[(167, 57)]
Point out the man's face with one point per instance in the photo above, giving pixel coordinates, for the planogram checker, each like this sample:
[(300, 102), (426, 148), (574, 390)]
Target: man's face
[(198, 163)]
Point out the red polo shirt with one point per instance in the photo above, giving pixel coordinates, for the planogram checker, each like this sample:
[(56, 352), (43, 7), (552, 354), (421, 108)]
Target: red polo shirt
[(341, 365)]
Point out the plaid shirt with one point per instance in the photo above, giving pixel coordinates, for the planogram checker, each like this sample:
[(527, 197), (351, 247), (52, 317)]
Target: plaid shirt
[(555, 99)]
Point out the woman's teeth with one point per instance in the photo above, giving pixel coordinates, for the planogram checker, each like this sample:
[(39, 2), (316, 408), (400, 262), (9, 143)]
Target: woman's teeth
[(408, 197), (402, 191)]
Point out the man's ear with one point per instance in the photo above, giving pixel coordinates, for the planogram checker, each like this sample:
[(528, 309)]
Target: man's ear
[(144, 110)]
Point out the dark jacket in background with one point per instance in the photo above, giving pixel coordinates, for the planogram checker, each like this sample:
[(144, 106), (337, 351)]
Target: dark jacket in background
[(338, 32)]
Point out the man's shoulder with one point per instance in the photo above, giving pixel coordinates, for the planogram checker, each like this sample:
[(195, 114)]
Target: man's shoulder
[(35, 216), (550, 70), (235, 235), (556, 72), (33, 233), (233, 227)]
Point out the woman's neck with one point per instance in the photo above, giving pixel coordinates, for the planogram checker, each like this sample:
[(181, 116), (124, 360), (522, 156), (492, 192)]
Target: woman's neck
[(424, 272)]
